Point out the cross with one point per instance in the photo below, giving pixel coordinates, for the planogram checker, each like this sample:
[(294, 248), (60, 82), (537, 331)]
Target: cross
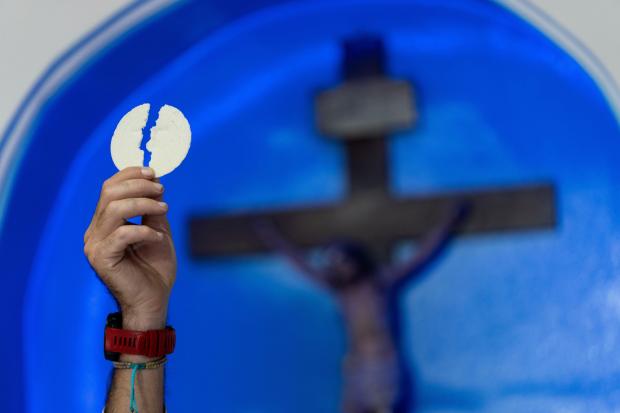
[(361, 113)]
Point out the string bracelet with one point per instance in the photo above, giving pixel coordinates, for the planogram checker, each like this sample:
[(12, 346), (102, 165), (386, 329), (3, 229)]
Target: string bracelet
[(154, 364)]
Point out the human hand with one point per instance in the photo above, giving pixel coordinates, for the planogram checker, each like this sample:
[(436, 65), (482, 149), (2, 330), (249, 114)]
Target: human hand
[(136, 262)]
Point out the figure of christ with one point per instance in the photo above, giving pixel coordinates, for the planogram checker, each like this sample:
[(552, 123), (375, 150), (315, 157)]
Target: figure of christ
[(376, 379)]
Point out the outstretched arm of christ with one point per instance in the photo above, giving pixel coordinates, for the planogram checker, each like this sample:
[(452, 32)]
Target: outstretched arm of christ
[(274, 240), (432, 245)]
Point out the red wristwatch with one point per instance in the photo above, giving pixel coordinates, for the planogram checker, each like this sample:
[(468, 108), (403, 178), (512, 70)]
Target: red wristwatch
[(152, 343)]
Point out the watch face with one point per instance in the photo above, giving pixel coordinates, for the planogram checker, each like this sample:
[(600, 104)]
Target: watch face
[(115, 320)]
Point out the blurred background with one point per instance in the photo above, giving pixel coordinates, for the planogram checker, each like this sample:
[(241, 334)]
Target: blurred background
[(508, 93)]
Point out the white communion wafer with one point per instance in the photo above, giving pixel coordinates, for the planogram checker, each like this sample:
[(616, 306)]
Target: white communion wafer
[(170, 140), (125, 145), (169, 143)]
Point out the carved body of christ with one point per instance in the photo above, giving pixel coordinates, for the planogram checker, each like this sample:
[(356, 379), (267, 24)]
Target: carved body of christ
[(362, 112)]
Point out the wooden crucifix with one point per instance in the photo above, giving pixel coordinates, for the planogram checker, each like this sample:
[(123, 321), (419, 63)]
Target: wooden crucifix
[(362, 112)]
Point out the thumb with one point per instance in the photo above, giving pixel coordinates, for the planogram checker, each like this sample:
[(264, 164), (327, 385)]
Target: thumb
[(157, 222)]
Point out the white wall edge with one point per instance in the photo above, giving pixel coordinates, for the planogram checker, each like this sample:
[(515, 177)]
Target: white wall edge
[(569, 42), (15, 139)]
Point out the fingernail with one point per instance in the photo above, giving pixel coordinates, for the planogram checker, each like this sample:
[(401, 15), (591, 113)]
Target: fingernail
[(159, 187), (160, 235), (163, 205), (148, 172)]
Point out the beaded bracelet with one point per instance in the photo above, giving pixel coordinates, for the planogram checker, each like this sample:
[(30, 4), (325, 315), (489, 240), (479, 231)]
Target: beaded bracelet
[(153, 364)]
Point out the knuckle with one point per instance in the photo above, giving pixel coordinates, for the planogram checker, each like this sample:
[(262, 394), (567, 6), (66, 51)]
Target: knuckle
[(126, 186), (134, 203), (119, 233), (123, 232), (106, 192), (92, 256), (113, 207)]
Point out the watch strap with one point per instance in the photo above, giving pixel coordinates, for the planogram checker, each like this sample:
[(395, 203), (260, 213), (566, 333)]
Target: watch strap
[(152, 343)]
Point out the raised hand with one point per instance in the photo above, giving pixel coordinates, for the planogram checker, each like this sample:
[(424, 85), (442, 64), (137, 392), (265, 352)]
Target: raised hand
[(136, 262)]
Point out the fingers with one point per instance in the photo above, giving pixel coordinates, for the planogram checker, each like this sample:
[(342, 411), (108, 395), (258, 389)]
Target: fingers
[(133, 182), (133, 172), (158, 222), (116, 213), (130, 188), (112, 249), (130, 182)]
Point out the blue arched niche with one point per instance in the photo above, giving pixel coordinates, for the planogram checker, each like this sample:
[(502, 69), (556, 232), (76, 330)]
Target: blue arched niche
[(502, 323)]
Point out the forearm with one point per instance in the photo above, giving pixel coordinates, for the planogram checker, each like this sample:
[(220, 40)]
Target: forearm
[(149, 383), (138, 265)]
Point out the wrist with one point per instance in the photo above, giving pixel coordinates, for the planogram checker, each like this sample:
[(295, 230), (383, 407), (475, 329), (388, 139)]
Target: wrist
[(143, 321), (137, 336)]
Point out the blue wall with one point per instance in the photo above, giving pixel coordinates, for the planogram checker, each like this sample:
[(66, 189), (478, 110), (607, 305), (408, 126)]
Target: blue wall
[(513, 322)]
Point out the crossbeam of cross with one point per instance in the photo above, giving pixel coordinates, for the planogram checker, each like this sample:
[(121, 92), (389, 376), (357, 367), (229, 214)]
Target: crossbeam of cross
[(361, 113)]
